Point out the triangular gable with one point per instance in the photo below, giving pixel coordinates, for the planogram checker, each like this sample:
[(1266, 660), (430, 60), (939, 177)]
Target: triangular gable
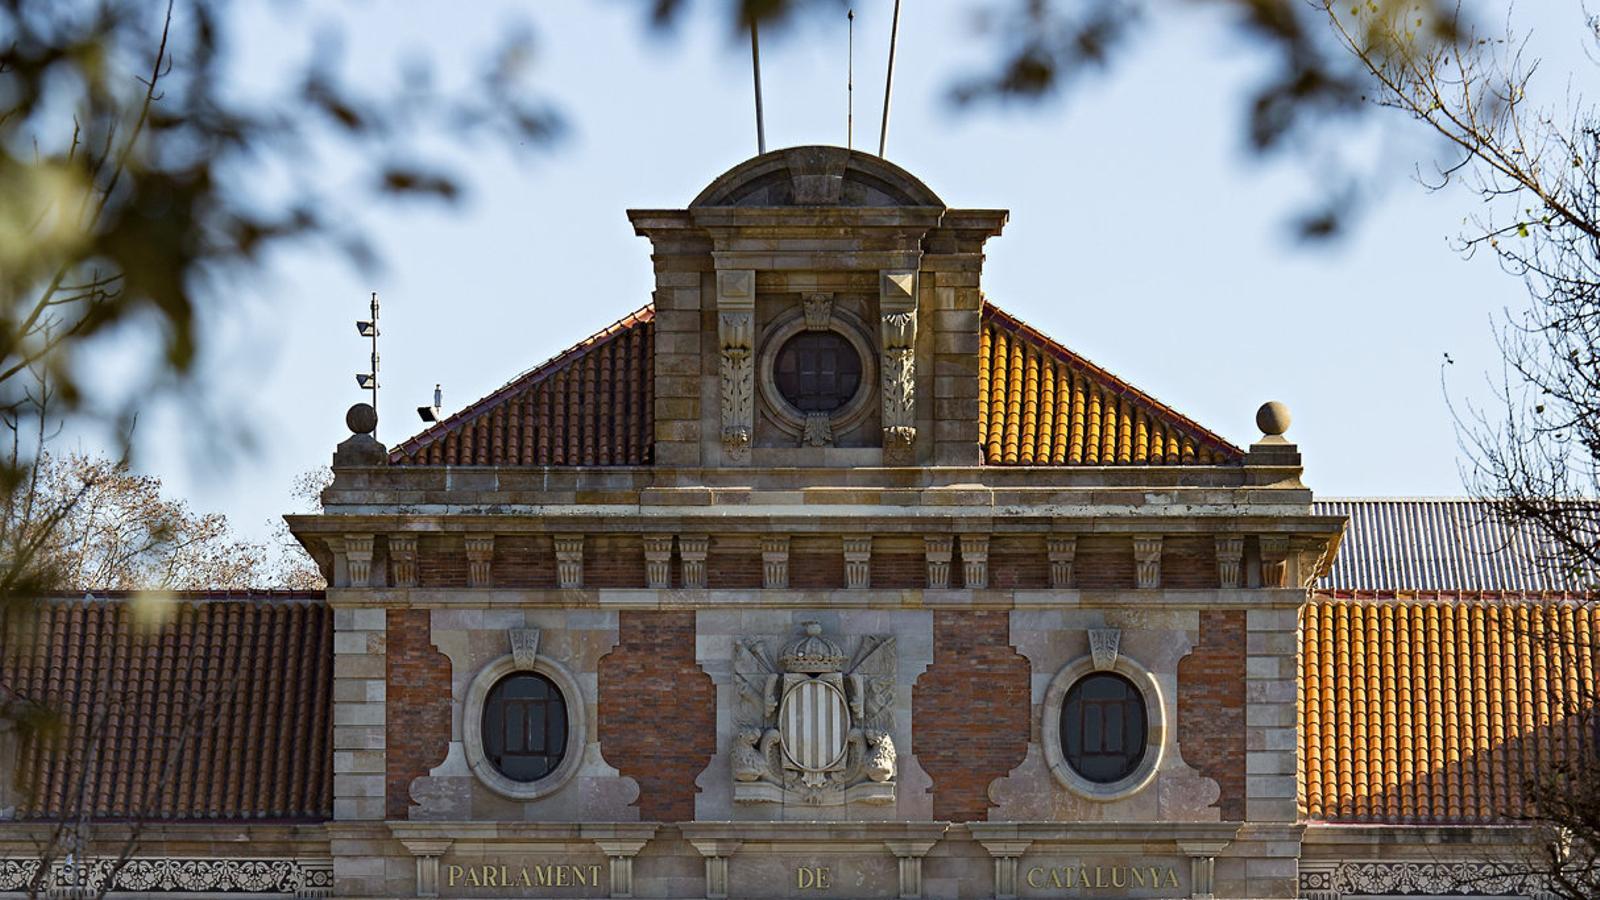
[(591, 405), (1040, 404)]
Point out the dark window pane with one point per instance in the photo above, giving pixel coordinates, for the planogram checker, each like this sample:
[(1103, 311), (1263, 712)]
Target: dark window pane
[(1103, 727), (817, 371), (525, 726)]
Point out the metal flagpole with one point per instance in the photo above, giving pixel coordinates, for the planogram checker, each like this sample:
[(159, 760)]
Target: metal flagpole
[(888, 81), (755, 65), (850, 85)]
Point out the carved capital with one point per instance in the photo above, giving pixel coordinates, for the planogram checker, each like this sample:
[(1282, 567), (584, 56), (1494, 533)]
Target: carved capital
[(403, 559), (1063, 549), (775, 561), (569, 560), (1230, 556), (938, 549), (692, 559), (857, 561), (480, 560), (658, 560), (1147, 560), (975, 561)]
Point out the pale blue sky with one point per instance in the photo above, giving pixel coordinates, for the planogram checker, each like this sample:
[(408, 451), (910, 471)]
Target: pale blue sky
[(1142, 235)]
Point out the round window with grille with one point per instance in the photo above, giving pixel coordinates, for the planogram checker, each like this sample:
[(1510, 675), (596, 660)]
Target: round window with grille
[(525, 726), (1103, 727), (817, 371)]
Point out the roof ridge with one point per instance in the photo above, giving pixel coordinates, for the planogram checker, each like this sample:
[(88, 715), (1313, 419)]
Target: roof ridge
[(1122, 385), (523, 380)]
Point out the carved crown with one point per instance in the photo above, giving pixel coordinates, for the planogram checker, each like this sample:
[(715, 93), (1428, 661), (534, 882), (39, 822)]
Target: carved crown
[(813, 654)]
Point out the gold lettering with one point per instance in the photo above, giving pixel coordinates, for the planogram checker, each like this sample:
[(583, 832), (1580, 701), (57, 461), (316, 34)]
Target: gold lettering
[(1055, 878), (813, 878), (526, 881), (1100, 877), (1172, 877), (452, 874), (1138, 876), (473, 879), (543, 874), (1083, 877), (562, 874), (594, 875), (1031, 872), (1123, 871), (824, 878), (804, 878), (579, 879)]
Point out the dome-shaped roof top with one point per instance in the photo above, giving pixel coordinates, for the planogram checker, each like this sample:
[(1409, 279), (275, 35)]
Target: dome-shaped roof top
[(817, 176)]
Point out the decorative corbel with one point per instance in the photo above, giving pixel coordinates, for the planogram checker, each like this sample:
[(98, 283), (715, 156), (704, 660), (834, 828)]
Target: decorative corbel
[(692, 559), (775, 561), (858, 561), (975, 561), (897, 308), (938, 549), (403, 559), (1230, 559), (569, 561), (1063, 549), (736, 313), (658, 561), (358, 557), (818, 308), (1274, 560), (1147, 561), (480, 560)]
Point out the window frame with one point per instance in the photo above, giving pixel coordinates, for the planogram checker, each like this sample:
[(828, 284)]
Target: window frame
[(1156, 714), (1131, 725), (472, 728)]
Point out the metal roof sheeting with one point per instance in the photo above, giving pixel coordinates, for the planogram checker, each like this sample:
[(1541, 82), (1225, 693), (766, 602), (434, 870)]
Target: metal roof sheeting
[(1438, 545)]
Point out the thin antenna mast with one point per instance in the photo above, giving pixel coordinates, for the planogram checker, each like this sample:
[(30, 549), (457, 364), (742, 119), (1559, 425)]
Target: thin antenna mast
[(368, 328), (888, 81), (755, 65), (850, 85)]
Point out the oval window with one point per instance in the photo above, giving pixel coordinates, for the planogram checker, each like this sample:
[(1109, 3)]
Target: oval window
[(1103, 728), (525, 726), (817, 371)]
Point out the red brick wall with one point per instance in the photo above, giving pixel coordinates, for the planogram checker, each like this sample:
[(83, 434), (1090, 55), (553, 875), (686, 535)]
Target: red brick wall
[(1189, 562), (970, 711), (1211, 714), (417, 706), (1104, 562), (816, 562), (613, 561), (731, 562), (658, 711), (524, 561), (1018, 563)]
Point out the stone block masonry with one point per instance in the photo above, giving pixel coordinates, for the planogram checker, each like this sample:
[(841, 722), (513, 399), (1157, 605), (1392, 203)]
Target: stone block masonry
[(359, 741), (658, 711), (970, 711)]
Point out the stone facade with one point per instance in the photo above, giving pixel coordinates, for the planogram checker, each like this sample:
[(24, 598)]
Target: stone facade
[(774, 648)]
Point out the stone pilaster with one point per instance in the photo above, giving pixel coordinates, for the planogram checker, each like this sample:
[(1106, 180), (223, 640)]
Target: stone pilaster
[(658, 561), (910, 854), (358, 557), (427, 852), (620, 853), (1230, 560), (858, 561), (403, 559), (897, 309), (1274, 561), (1271, 715), (359, 656), (736, 326), (1147, 561)]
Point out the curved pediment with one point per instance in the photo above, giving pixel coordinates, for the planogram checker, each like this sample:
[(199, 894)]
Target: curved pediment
[(816, 176)]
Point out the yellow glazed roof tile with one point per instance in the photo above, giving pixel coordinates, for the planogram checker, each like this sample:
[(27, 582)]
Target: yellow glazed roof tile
[(1423, 707)]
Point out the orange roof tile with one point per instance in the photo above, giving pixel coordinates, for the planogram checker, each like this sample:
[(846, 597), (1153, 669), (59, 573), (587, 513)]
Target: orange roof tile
[(1437, 708), (593, 404), (220, 711), (1041, 404)]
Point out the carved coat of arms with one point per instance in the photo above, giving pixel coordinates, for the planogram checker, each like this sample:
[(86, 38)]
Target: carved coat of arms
[(813, 725)]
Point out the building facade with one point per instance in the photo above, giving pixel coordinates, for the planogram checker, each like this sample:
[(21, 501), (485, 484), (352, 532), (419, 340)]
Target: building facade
[(820, 576)]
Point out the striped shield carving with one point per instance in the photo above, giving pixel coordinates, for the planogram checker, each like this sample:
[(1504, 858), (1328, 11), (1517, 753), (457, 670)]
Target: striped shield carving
[(814, 724)]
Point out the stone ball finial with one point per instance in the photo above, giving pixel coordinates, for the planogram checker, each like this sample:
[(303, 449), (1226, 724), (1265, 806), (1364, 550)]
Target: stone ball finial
[(1273, 418), (362, 419)]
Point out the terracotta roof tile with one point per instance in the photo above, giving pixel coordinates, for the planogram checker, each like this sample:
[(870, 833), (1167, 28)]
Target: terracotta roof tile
[(591, 405), (220, 711), (1041, 404), (1436, 708)]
